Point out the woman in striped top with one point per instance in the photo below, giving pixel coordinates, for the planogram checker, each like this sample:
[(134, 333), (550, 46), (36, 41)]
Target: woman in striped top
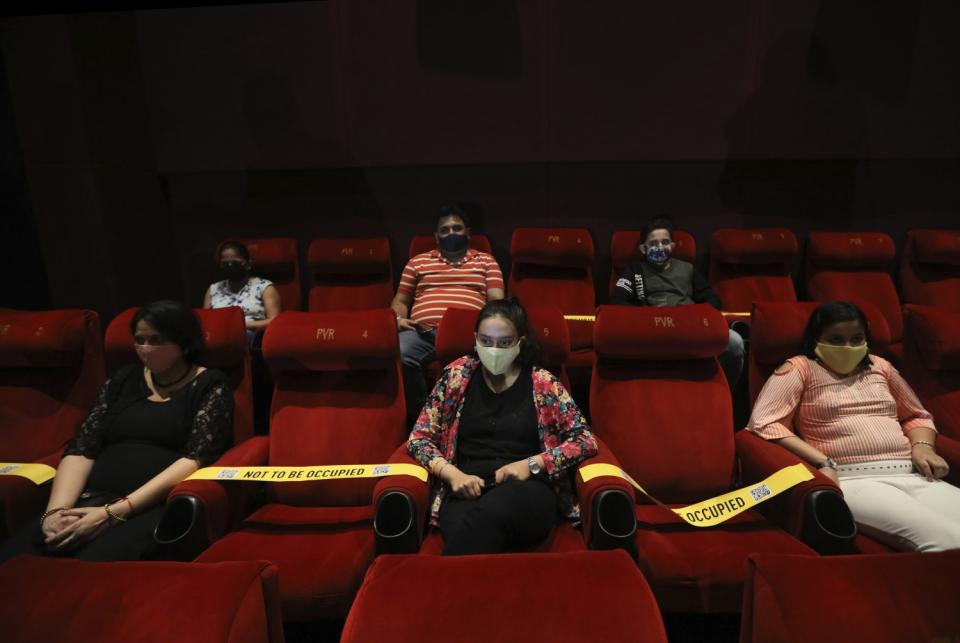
[(852, 415)]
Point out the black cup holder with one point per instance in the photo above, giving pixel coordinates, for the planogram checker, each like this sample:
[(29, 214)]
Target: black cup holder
[(615, 522), (828, 526), (393, 525), (181, 532)]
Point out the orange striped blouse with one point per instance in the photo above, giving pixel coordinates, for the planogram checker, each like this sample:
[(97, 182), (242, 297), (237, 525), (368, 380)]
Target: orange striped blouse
[(436, 284), (862, 417)]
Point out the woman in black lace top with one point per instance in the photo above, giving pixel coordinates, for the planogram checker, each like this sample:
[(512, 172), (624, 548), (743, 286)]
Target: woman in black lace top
[(151, 427)]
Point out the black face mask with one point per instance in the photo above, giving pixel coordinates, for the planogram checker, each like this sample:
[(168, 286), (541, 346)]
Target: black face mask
[(454, 242), (233, 270)]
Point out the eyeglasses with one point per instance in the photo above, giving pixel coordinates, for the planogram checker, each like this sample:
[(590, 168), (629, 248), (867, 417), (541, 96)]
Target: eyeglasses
[(149, 340), (499, 342)]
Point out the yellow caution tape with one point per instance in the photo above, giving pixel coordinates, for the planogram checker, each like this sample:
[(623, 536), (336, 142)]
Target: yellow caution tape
[(309, 474), (32, 471), (721, 508), (593, 318)]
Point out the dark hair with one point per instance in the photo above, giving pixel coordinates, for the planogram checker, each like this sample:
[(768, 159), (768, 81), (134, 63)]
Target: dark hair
[(451, 211), (176, 323), (238, 247), (662, 222), (511, 310), (827, 314)]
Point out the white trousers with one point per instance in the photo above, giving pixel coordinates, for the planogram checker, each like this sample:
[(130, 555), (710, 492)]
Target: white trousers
[(900, 508)]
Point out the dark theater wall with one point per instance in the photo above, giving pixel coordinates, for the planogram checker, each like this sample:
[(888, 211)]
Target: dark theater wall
[(148, 136)]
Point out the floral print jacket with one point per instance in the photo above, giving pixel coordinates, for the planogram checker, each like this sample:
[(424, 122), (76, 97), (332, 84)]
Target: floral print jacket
[(565, 438)]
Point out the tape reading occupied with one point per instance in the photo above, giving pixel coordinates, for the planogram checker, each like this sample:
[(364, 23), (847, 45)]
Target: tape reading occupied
[(720, 508), (309, 474), (32, 471), (593, 318)]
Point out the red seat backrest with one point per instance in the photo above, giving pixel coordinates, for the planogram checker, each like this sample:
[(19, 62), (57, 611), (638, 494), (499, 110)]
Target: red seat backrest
[(51, 368), (338, 399), (225, 349), (350, 274), (554, 266), (931, 362), (427, 242), (777, 332), (277, 260), (752, 265), (660, 401), (930, 269), (625, 249), (855, 266), (781, 604), (455, 337)]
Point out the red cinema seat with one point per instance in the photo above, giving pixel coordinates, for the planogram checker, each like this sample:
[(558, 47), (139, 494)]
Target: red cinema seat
[(455, 337), (427, 242), (152, 602), (663, 410), (277, 260), (51, 367), (554, 267), (881, 599), (624, 250), (856, 266), (930, 269), (350, 274), (580, 596), (225, 349), (931, 363), (752, 265), (338, 399)]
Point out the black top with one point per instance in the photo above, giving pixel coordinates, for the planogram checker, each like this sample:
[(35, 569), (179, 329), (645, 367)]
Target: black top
[(640, 284), (497, 428), (131, 439)]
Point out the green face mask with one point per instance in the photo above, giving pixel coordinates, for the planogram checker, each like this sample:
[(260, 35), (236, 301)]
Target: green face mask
[(497, 360), (841, 359)]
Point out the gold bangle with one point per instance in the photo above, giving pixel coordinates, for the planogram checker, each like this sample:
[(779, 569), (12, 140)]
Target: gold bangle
[(926, 442), (111, 515)]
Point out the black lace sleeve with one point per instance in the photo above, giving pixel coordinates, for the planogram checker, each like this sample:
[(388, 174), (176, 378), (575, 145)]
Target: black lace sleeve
[(89, 439), (212, 430)]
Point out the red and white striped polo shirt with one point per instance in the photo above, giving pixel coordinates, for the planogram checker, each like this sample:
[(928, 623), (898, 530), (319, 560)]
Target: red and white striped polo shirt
[(436, 284), (862, 417)]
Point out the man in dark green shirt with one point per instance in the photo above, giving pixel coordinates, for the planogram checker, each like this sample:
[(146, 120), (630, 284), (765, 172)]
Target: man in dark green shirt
[(660, 280)]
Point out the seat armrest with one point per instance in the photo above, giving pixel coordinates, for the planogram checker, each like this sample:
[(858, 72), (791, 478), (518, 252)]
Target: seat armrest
[(813, 511), (200, 512), (949, 450), (401, 504), (607, 506)]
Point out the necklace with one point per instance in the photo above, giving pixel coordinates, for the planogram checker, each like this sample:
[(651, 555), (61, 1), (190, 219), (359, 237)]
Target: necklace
[(174, 382)]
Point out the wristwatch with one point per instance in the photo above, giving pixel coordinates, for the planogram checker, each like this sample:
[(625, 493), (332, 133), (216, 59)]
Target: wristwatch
[(534, 466), (829, 462)]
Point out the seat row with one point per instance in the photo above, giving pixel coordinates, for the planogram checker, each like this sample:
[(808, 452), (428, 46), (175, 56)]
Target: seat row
[(338, 400), (539, 596)]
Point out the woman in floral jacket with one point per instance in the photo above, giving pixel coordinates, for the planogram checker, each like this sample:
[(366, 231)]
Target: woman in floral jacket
[(500, 435)]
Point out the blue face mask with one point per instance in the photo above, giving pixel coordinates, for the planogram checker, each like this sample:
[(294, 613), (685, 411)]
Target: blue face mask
[(658, 255), (453, 242)]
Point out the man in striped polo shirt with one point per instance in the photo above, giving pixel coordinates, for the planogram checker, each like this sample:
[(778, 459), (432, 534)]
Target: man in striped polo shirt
[(451, 276)]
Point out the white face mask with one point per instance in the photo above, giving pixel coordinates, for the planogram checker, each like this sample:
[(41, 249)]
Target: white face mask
[(498, 360)]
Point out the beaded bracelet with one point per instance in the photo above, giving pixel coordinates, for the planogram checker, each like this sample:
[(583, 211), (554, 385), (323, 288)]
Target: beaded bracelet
[(111, 515), (48, 513)]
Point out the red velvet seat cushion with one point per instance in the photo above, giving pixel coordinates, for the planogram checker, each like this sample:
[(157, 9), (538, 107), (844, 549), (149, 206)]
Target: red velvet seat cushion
[(65, 599), (648, 333), (579, 596), (350, 274), (321, 565), (752, 265), (563, 539), (850, 250), (931, 363), (930, 269), (837, 599), (704, 568)]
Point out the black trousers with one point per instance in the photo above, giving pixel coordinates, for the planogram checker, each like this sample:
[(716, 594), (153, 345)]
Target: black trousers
[(131, 540), (513, 516)]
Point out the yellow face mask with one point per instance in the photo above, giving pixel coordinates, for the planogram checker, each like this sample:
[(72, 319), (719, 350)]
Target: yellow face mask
[(841, 359)]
